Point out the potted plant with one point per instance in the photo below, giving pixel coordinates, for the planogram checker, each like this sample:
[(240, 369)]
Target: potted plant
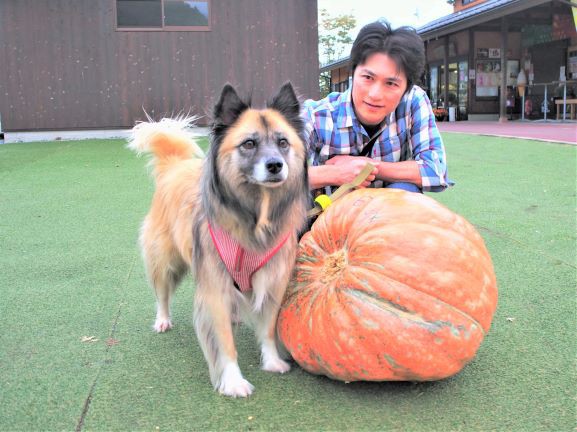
[(440, 113)]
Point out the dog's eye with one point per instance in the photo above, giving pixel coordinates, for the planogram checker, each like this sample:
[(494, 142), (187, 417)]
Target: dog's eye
[(283, 143), (248, 145)]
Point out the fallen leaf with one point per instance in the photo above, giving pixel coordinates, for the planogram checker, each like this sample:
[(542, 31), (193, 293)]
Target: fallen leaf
[(112, 342)]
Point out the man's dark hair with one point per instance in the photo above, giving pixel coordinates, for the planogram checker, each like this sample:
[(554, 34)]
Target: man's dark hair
[(403, 45)]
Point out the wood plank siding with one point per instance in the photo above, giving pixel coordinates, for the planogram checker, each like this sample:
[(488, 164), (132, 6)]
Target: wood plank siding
[(64, 65)]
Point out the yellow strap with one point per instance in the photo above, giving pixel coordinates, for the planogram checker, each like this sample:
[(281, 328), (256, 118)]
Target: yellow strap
[(347, 187), (324, 201)]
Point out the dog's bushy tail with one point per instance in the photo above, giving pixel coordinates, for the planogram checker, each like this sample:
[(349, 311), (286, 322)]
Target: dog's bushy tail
[(168, 140)]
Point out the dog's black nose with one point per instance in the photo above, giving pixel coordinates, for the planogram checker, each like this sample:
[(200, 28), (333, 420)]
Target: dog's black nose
[(274, 165)]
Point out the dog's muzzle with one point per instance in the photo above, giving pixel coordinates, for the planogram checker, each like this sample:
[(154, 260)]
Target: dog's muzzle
[(272, 170), (274, 166)]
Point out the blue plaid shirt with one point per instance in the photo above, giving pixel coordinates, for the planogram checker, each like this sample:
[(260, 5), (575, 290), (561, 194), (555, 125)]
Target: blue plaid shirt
[(409, 133)]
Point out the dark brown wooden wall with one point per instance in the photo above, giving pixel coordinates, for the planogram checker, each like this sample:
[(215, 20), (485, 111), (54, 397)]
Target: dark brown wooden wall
[(63, 65)]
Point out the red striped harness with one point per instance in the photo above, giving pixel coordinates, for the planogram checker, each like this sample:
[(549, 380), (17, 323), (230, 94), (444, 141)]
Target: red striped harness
[(240, 263)]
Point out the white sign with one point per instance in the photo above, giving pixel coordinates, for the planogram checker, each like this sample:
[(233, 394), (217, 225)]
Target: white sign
[(494, 52)]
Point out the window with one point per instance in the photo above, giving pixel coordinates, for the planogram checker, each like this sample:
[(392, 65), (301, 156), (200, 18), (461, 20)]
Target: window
[(466, 2), (168, 15), (340, 86)]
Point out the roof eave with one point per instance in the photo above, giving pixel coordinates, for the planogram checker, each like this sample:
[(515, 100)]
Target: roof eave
[(335, 65), (482, 17)]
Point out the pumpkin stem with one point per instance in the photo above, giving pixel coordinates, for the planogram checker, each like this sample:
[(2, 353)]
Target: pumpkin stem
[(334, 265)]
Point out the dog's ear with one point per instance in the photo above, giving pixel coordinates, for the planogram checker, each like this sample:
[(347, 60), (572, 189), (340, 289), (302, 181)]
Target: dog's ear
[(229, 106), (286, 102)]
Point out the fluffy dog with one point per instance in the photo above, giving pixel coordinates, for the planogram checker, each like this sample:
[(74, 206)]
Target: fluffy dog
[(233, 218)]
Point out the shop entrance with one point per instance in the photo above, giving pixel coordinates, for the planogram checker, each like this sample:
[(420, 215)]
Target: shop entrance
[(457, 87)]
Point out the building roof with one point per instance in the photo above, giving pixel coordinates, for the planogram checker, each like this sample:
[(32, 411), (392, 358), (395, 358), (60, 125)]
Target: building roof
[(479, 14), (335, 64), (461, 20)]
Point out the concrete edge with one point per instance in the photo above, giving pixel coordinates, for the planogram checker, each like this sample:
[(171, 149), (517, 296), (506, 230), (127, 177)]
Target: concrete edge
[(26, 137)]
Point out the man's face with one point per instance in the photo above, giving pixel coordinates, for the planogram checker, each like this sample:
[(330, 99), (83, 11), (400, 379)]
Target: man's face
[(378, 86)]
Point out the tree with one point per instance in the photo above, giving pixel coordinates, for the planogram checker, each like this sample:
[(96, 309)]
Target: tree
[(334, 35), (334, 40)]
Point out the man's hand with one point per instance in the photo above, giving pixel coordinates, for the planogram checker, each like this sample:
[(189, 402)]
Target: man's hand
[(350, 166)]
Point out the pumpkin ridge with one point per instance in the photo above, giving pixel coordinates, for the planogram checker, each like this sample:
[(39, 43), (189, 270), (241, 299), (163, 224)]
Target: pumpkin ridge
[(389, 306), (476, 243), (475, 276), (424, 294), (361, 239)]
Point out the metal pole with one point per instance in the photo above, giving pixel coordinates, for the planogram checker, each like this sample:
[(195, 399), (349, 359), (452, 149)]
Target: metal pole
[(564, 99), (545, 105), (523, 107)]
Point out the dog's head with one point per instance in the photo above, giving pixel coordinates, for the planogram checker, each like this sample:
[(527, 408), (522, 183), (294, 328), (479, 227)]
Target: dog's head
[(258, 147)]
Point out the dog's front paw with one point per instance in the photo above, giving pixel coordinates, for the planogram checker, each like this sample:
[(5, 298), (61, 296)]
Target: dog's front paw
[(162, 324), (242, 388), (273, 364), (233, 384)]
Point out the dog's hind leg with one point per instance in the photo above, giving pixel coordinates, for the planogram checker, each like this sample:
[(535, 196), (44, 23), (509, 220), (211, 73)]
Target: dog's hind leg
[(165, 269), (165, 279)]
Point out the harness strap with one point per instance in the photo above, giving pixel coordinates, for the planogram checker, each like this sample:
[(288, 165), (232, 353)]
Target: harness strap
[(241, 263)]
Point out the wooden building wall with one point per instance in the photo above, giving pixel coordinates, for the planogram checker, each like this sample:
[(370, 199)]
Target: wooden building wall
[(63, 64), (340, 78)]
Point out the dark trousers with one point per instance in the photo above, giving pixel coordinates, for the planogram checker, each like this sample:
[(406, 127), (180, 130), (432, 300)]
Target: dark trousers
[(409, 187)]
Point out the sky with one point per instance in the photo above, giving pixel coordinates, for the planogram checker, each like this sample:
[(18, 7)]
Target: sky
[(413, 13)]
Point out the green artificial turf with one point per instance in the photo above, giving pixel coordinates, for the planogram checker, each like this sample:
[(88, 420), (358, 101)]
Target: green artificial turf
[(70, 269)]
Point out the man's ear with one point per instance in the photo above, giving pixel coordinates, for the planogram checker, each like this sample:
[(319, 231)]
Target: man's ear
[(229, 107)]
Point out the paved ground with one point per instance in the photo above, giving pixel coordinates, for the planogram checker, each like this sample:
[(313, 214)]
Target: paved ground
[(563, 132)]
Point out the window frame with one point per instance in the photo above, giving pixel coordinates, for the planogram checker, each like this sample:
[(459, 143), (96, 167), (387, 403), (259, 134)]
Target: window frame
[(164, 28)]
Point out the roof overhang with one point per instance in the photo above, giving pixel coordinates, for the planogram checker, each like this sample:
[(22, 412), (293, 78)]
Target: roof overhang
[(475, 16), (335, 65)]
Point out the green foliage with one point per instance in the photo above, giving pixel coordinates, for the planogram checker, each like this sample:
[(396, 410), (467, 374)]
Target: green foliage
[(334, 42), (334, 35), (325, 83)]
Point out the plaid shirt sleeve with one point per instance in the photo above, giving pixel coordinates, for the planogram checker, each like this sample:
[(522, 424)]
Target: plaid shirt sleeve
[(426, 144), (328, 127), (310, 133)]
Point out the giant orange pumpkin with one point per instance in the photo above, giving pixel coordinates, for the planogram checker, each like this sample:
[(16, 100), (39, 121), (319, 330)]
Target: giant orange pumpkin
[(388, 285)]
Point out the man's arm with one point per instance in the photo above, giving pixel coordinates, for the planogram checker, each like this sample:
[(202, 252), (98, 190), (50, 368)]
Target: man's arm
[(427, 146), (334, 173), (407, 171), (343, 169)]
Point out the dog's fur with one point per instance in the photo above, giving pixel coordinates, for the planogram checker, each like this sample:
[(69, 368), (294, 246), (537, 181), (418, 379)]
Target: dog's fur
[(254, 185)]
